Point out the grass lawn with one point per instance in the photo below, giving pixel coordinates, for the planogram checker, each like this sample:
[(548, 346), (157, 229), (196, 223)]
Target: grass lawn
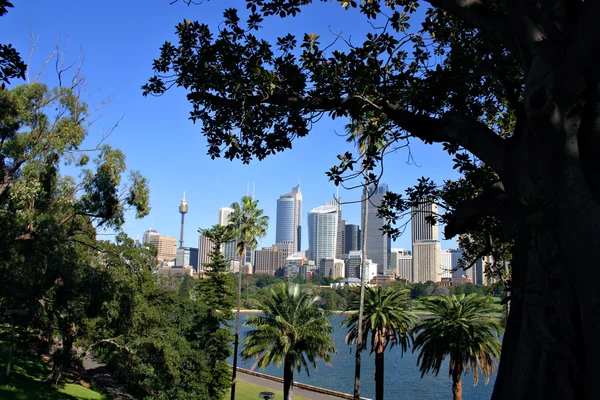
[(26, 380), (250, 391)]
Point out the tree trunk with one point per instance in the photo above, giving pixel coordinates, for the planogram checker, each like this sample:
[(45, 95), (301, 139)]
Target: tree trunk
[(62, 360), (236, 340), (457, 385), (550, 348), (288, 378), (361, 308), (379, 373)]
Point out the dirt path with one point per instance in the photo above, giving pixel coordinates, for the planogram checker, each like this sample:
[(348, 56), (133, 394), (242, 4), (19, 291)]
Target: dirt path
[(102, 377)]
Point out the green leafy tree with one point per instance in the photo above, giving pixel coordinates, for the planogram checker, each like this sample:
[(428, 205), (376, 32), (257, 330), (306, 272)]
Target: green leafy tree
[(458, 329), (388, 320), (48, 246), (247, 224), (157, 342), (508, 90), (11, 64), (217, 294), (293, 331)]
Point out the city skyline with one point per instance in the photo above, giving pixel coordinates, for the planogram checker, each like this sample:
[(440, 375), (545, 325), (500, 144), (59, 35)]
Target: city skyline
[(219, 214)]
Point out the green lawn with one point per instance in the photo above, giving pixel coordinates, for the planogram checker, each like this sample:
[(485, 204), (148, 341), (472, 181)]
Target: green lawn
[(26, 380), (250, 391)]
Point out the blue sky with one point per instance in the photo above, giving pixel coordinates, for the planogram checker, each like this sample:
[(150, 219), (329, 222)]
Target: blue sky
[(119, 40)]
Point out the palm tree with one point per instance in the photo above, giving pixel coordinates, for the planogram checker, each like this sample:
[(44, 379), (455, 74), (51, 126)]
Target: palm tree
[(458, 328), (293, 331), (387, 318), (368, 135), (247, 223)]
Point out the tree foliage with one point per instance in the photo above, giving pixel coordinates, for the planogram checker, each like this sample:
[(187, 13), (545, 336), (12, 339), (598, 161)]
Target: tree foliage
[(458, 329), (293, 332), (509, 89), (387, 320)]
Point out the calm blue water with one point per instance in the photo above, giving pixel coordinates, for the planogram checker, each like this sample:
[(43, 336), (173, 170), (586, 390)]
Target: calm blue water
[(402, 377)]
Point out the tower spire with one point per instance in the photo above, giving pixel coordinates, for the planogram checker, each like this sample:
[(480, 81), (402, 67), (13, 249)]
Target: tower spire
[(183, 209)]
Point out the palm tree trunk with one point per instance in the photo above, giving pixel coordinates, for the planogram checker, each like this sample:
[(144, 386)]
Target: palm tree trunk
[(363, 273), (457, 385), (236, 340), (288, 379), (379, 370)]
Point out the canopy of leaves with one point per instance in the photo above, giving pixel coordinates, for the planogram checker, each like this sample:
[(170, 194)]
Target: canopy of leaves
[(430, 74), (293, 327), (459, 329)]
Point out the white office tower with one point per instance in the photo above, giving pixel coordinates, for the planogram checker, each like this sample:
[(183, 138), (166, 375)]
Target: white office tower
[(426, 246), (402, 262), (322, 233)]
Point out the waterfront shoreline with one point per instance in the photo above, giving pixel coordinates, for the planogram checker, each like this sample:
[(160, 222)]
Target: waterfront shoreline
[(417, 313)]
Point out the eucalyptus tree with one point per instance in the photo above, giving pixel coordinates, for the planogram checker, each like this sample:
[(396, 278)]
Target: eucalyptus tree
[(247, 224), (511, 91), (49, 220)]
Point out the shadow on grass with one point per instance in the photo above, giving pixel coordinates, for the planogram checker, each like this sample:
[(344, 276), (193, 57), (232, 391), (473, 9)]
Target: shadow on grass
[(27, 377)]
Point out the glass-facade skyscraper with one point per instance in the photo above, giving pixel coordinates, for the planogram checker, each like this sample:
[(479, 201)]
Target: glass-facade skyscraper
[(289, 218), (379, 246)]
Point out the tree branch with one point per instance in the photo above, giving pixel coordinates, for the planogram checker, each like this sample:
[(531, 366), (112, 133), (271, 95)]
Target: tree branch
[(483, 18), (491, 202), (452, 127)]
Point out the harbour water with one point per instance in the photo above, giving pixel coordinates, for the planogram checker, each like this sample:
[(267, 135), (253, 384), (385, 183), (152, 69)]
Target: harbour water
[(402, 377)]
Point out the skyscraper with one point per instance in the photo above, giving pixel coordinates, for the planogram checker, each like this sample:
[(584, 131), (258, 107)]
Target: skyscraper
[(166, 247), (289, 218), (322, 232), (224, 213), (228, 249), (205, 246), (352, 238), (427, 263), (379, 245), (148, 234)]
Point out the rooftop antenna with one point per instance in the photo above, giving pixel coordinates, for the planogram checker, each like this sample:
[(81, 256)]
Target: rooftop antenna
[(248, 188), (253, 189)]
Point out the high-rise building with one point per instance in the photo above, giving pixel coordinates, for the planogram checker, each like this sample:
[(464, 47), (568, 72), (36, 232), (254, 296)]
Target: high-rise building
[(166, 247), (379, 245), (270, 259), (420, 226), (148, 234), (187, 256), (427, 263), (333, 268), (446, 261), (352, 238), (322, 233), (353, 264), (341, 242), (288, 226), (224, 213), (205, 246), (402, 264)]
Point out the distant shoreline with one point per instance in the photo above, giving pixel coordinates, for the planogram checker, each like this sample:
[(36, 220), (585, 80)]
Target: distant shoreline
[(333, 312), (417, 313)]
